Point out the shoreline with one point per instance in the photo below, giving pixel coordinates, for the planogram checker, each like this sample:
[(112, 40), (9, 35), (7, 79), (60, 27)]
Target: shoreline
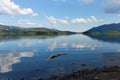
[(105, 73)]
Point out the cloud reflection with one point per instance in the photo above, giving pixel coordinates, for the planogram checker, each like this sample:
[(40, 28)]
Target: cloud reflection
[(84, 46), (28, 43), (55, 45), (25, 44), (1, 43), (8, 59)]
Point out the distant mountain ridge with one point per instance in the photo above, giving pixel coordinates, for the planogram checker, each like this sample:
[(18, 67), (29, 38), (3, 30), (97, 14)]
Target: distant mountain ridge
[(107, 33), (15, 30), (106, 27), (12, 28)]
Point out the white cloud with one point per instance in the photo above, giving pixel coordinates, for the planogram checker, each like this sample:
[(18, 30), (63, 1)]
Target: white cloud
[(85, 21), (112, 6), (54, 21), (28, 23), (79, 21), (64, 22), (8, 7), (89, 20), (93, 19)]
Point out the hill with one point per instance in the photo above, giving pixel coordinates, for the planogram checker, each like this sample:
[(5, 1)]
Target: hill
[(107, 29), (107, 33), (18, 31)]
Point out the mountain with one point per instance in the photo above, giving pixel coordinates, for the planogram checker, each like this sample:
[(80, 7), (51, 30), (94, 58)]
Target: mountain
[(107, 29), (107, 33), (16, 31)]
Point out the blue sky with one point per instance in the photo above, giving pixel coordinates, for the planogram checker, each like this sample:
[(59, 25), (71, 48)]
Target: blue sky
[(72, 15)]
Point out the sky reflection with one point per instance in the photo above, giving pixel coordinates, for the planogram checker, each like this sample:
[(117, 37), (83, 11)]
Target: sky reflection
[(10, 58), (85, 45), (77, 45), (55, 45)]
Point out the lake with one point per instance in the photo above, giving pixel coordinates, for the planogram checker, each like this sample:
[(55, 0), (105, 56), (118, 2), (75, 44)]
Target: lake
[(28, 57)]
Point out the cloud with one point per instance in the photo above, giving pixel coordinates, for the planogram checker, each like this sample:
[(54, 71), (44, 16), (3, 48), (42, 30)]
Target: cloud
[(28, 23), (8, 7), (63, 22), (79, 20), (112, 6), (85, 21), (93, 19), (54, 21)]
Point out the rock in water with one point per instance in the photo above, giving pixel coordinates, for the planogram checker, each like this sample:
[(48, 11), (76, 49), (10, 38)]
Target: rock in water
[(56, 55)]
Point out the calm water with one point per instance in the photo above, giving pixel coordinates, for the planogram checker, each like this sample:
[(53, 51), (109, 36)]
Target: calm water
[(28, 57)]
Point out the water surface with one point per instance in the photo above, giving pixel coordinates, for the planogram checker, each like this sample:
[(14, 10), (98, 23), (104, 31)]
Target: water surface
[(28, 57)]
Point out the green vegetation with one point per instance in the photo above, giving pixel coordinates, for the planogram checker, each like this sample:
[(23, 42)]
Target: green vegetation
[(106, 33), (96, 33), (33, 33), (17, 31), (112, 33), (105, 30)]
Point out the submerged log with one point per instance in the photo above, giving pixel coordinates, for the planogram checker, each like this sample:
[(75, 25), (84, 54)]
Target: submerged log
[(56, 55)]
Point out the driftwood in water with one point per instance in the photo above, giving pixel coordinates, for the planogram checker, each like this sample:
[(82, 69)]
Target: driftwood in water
[(56, 55)]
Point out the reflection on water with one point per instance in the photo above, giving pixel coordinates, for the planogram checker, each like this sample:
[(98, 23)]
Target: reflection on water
[(28, 43), (25, 44), (115, 39), (10, 58), (118, 50), (81, 46), (55, 45), (85, 45), (112, 59), (80, 49), (1, 43)]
